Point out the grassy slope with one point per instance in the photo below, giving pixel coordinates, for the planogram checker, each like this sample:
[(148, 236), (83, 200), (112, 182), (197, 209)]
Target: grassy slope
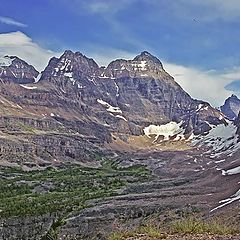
[(182, 229)]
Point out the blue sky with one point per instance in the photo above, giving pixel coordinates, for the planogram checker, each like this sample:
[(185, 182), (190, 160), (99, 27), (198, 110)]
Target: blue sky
[(198, 41)]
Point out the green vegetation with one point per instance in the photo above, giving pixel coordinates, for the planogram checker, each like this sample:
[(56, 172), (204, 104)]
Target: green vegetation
[(151, 232), (62, 190), (52, 233), (176, 228), (196, 226)]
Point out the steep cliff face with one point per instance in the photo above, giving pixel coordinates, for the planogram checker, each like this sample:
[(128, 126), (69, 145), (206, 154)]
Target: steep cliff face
[(140, 89), (231, 107)]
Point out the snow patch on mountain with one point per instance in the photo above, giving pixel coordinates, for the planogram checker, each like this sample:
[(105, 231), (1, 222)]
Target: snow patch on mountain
[(201, 107), (110, 108), (117, 89), (140, 65), (228, 201), (69, 75), (103, 76), (28, 87), (166, 130), (232, 171), (65, 63), (221, 138), (38, 78), (123, 118)]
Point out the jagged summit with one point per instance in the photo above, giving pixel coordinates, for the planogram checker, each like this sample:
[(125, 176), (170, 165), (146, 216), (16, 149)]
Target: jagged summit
[(6, 61), (70, 64), (144, 65), (70, 54), (77, 65), (146, 56), (16, 70), (233, 96), (231, 107)]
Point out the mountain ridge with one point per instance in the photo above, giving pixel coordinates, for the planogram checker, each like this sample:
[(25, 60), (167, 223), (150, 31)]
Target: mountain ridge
[(105, 106)]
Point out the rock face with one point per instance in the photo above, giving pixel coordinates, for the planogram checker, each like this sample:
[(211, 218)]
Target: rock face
[(74, 98), (16, 70), (33, 227), (140, 89), (231, 107)]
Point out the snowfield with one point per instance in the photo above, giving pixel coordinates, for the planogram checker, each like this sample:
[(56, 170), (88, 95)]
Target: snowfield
[(167, 130), (221, 138)]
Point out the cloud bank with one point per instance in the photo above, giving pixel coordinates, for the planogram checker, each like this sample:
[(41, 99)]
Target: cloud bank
[(205, 85), (19, 44)]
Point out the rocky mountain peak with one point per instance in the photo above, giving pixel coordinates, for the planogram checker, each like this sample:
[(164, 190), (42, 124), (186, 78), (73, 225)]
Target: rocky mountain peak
[(148, 57), (233, 96), (231, 107), (16, 70), (144, 65), (71, 64), (71, 60)]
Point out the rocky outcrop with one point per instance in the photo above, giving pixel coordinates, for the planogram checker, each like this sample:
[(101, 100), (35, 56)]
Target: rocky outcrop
[(231, 107), (33, 228), (16, 70)]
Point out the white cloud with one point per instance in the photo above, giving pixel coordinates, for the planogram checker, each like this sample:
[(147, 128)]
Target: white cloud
[(101, 7), (219, 9), (19, 44), (11, 21), (204, 85), (201, 11)]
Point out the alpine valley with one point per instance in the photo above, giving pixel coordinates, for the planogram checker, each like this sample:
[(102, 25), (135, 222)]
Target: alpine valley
[(86, 151)]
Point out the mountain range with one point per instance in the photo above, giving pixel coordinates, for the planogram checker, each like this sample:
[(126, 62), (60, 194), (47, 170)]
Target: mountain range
[(73, 94)]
